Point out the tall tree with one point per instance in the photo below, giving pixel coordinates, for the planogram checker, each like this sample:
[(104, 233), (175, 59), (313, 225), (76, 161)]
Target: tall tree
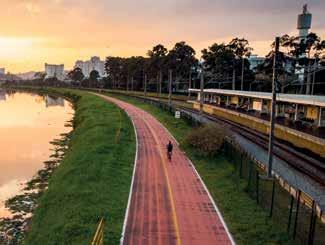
[(181, 59), (218, 62), (76, 75), (241, 50), (297, 48), (113, 68), (93, 78), (157, 59)]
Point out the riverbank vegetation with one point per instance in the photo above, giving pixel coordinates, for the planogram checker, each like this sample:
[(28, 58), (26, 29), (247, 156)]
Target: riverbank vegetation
[(22, 206), (247, 221), (93, 179)]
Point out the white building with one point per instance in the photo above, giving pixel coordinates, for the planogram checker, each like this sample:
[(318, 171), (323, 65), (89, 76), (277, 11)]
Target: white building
[(254, 61), (93, 64), (54, 71), (303, 25), (2, 71)]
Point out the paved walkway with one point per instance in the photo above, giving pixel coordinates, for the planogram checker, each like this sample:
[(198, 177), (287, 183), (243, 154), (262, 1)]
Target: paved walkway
[(169, 204)]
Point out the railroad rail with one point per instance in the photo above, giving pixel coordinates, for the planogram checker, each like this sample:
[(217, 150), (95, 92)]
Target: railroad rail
[(306, 164)]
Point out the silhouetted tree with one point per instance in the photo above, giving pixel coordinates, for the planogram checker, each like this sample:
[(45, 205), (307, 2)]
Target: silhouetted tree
[(76, 75), (241, 49)]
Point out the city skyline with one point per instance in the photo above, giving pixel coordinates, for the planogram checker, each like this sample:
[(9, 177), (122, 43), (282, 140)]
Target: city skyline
[(61, 31)]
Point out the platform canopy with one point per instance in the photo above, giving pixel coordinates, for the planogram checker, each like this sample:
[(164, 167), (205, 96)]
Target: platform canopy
[(289, 98)]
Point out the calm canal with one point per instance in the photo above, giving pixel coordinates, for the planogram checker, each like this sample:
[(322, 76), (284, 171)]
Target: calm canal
[(28, 122)]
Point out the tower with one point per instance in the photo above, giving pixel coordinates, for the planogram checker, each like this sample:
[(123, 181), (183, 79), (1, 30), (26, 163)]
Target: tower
[(304, 23)]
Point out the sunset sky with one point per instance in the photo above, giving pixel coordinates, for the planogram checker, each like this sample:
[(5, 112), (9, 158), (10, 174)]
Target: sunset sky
[(33, 32)]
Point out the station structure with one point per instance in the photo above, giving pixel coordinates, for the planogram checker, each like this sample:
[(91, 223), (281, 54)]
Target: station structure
[(300, 118)]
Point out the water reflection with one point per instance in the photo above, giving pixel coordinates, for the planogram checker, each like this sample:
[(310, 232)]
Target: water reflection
[(2, 95), (53, 101), (28, 122)]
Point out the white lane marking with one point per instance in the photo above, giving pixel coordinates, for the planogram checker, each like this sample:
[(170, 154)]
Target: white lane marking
[(206, 189)]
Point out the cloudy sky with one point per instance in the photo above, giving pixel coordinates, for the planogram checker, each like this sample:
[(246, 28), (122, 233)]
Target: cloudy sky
[(33, 32)]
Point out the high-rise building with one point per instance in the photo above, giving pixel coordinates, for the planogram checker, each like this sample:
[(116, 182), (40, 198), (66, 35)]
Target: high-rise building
[(54, 71), (93, 64)]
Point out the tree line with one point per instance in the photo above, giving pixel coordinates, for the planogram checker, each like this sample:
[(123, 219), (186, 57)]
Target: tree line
[(297, 55), (224, 65)]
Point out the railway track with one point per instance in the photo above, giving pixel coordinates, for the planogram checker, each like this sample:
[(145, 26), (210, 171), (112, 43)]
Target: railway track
[(305, 164)]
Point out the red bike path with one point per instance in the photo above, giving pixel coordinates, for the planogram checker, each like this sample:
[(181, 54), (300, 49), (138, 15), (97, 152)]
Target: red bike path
[(169, 203)]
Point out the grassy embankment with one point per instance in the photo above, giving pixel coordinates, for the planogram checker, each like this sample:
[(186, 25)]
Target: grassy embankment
[(248, 222), (93, 179)]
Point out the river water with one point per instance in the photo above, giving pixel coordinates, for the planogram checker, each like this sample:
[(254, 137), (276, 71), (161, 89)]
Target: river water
[(28, 122)]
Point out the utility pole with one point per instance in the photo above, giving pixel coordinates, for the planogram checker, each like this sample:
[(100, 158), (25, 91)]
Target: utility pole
[(132, 83), (170, 87), (272, 123), (160, 82), (145, 85), (314, 76), (189, 85), (242, 74), (157, 84), (201, 92), (234, 76)]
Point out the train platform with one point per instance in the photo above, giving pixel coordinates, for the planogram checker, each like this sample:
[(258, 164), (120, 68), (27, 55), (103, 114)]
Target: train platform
[(304, 127), (169, 203)]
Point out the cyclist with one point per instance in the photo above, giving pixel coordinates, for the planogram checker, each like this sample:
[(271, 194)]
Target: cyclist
[(169, 150)]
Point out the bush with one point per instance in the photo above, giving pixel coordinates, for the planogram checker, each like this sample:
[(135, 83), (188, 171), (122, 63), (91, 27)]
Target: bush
[(209, 139)]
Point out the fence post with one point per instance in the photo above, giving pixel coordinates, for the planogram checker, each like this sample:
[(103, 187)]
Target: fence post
[(290, 214), (241, 166), (296, 218), (314, 224), (257, 185), (272, 198), (249, 174), (311, 226)]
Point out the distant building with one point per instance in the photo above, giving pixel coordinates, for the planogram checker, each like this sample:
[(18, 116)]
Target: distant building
[(54, 71), (2, 71), (254, 61), (93, 64)]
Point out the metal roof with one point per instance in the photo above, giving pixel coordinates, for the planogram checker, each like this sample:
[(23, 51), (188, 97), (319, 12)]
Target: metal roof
[(290, 98)]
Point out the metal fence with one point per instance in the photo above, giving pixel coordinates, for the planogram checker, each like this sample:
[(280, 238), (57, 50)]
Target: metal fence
[(292, 209)]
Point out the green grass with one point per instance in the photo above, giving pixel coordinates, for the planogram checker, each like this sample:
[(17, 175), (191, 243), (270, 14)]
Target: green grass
[(93, 179), (247, 221)]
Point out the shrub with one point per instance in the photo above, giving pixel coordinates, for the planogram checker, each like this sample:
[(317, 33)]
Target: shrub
[(209, 139)]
